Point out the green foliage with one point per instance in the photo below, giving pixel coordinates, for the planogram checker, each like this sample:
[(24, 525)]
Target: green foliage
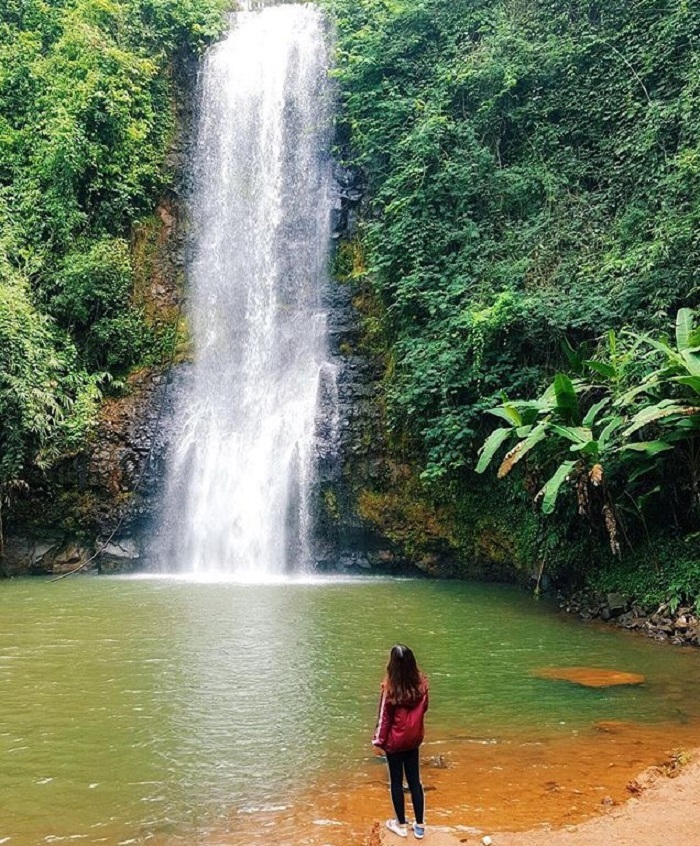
[(93, 281), (47, 403), (665, 574), (91, 297), (622, 433), (533, 172), (86, 116)]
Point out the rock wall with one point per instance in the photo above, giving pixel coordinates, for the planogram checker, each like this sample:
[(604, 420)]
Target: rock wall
[(367, 494), (103, 500)]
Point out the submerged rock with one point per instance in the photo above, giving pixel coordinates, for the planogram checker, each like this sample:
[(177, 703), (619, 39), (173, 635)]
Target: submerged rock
[(589, 676)]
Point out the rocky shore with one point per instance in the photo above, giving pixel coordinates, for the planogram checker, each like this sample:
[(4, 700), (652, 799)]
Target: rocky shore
[(679, 625)]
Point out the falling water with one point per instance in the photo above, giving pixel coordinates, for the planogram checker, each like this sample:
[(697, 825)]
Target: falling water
[(240, 478)]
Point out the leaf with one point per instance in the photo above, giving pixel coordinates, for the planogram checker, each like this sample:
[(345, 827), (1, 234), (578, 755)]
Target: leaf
[(611, 427), (593, 411), (649, 448), (577, 434), (650, 382), (692, 382), (644, 499), (491, 446), (521, 449), (606, 370), (567, 401), (550, 491), (574, 357), (684, 328), (570, 353), (640, 470), (589, 448), (508, 413), (691, 361), (662, 347), (665, 408)]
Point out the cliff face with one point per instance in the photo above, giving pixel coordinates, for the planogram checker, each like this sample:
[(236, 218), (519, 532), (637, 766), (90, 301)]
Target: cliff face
[(373, 513), (67, 514), (114, 482)]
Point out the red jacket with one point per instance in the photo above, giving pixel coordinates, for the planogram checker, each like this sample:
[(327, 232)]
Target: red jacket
[(400, 727)]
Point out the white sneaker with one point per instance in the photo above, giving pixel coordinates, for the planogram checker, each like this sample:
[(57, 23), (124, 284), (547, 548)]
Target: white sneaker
[(397, 828)]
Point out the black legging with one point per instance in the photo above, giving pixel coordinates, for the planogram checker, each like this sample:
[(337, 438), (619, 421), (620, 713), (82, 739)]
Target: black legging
[(400, 763)]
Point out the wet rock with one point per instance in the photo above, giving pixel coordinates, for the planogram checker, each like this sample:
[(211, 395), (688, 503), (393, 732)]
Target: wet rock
[(617, 603), (349, 192), (119, 557), (71, 557), (658, 623), (24, 555), (634, 787), (438, 762)]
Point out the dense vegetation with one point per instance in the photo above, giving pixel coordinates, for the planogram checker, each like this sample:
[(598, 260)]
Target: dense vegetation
[(86, 116), (526, 258), (533, 184)]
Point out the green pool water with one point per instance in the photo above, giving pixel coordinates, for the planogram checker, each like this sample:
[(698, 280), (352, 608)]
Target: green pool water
[(133, 708)]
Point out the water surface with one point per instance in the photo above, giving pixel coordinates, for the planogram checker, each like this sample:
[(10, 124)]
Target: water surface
[(172, 709)]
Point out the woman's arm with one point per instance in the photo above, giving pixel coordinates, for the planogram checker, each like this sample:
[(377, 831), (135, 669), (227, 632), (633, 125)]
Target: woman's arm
[(385, 717)]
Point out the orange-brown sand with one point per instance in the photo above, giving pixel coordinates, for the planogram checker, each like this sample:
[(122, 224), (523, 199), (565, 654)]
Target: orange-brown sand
[(478, 786), (662, 810)]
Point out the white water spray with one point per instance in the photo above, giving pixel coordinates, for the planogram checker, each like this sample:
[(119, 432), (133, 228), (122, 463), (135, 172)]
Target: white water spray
[(241, 474)]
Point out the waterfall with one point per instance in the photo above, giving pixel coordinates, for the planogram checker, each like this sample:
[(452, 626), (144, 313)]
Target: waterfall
[(241, 474)]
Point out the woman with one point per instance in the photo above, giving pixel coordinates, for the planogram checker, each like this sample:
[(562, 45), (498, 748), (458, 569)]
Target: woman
[(400, 730)]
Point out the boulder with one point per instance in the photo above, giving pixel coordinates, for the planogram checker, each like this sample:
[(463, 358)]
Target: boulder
[(119, 556)]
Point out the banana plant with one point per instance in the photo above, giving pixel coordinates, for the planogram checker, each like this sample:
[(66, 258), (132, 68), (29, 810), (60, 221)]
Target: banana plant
[(588, 446), (581, 441)]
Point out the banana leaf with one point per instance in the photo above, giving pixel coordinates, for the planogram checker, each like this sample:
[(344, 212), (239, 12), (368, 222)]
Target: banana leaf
[(550, 491), (684, 328), (491, 446), (567, 401), (592, 412), (521, 449)]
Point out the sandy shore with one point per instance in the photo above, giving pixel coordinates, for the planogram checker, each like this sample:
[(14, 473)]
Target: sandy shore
[(665, 810)]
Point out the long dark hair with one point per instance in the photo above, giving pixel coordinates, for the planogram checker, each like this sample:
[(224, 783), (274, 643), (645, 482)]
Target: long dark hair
[(404, 682)]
